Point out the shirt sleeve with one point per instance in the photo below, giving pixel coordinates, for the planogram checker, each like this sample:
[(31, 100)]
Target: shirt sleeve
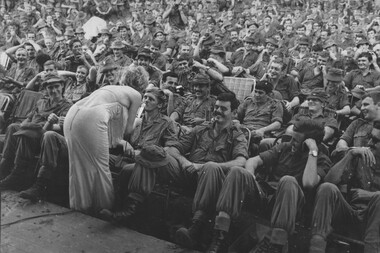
[(240, 146), (294, 87), (348, 135), (181, 109), (331, 122), (271, 156), (323, 165), (170, 135), (344, 100), (278, 112), (185, 142)]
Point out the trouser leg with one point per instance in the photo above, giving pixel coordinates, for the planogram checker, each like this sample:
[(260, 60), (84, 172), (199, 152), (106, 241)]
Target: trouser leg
[(210, 180), (238, 183), (10, 141), (53, 150), (330, 209), (266, 144), (142, 179), (27, 148), (372, 231), (289, 201)]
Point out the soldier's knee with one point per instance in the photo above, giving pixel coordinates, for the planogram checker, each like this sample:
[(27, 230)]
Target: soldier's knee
[(327, 188)]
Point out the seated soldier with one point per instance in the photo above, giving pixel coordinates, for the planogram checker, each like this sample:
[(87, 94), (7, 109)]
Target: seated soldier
[(359, 168), (117, 57), (197, 108), (293, 167), (32, 49), (158, 59), (365, 76), (260, 113), (18, 75), (337, 95), (247, 55), (312, 76), (77, 57), (181, 66), (144, 58), (186, 68), (216, 67), (22, 141), (154, 129), (315, 111), (81, 84), (285, 84), (213, 149), (110, 73), (169, 85), (358, 132), (35, 84)]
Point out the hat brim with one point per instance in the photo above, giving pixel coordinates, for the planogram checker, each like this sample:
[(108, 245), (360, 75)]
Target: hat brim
[(208, 42), (315, 97), (217, 51), (334, 78), (358, 95), (144, 55), (106, 69), (328, 46)]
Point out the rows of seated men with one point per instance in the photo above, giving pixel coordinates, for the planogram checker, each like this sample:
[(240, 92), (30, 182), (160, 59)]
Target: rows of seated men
[(194, 131)]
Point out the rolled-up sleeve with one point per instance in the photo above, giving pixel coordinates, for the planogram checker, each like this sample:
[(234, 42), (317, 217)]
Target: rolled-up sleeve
[(278, 113), (170, 135), (271, 156), (240, 147), (323, 166), (185, 143)]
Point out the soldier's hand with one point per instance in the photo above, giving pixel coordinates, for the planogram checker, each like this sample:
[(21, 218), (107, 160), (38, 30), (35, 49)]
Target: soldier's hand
[(366, 154), (53, 118)]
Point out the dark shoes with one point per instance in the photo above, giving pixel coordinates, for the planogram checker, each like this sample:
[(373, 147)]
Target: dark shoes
[(189, 238), (5, 168), (36, 192), (218, 243), (122, 216), (18, 180)]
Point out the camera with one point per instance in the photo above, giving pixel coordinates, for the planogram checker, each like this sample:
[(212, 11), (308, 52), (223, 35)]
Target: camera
[(180, 90)]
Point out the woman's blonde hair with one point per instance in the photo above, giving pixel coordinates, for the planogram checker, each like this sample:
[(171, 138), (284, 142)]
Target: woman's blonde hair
[(134, 76)]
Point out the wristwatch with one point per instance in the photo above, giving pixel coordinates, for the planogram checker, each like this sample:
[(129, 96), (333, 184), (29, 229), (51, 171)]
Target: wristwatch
[(313, 153)]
